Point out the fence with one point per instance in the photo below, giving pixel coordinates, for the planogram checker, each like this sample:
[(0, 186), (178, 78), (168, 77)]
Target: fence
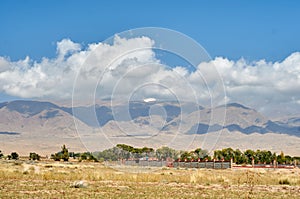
[(207, 165), (144, 163), (155, 163), (202, 164), (267, 166)]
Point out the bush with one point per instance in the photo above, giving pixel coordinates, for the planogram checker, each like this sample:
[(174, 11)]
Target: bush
[(34, 156), (63, 154), (284, 182), (56, 156), (14, 156), (87, 156)]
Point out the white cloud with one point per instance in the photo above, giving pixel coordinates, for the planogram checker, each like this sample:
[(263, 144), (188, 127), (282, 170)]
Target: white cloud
[(65, 47), (4, 64), (128, 67), (54, 78), (262, 84)]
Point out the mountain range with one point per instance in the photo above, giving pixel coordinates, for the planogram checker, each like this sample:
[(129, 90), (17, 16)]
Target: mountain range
[(27, 126)]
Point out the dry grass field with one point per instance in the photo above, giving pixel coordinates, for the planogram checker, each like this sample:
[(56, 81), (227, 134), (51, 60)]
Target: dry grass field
[(47, 179)]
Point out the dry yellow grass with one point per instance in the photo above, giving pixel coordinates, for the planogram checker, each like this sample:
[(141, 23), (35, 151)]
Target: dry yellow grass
[(23, 179)]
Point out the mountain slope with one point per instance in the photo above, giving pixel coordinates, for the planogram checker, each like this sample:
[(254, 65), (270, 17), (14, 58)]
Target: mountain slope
[(26, 123), (37, 126)]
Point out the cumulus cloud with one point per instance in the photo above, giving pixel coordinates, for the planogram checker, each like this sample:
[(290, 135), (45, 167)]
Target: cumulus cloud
[(54, 78), (129, 69), (269, 87), (65, 47)]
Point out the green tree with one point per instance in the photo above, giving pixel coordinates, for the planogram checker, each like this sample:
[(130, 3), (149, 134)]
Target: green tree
[(34, 156), (265, 157), (218, 155), (250, 154), (200, 153), (228, 153), (56, 156), (281, 158), (125, 147), (65, 153), (88, 156), (112, 154), (83, 156), (288, 159), (186, 156), (259, 157), (240, 157), (225, 154), (14, 156), (147, 150), (165, 152)]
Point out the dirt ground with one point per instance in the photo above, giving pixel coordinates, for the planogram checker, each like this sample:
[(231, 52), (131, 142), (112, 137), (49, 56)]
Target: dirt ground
[(28, 179)]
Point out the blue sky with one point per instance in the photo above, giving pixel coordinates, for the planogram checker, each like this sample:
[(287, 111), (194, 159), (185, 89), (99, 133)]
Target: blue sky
[(251, 29), (254, 45)]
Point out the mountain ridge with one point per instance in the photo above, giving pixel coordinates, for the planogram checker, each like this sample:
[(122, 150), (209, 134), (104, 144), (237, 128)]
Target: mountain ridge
[(158, 121), (236, 120)]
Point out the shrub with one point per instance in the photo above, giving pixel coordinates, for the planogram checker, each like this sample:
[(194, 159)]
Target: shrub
[(34, 156), (63, 154), (87, 156), (284, 182), (56, 156), (14, 156)]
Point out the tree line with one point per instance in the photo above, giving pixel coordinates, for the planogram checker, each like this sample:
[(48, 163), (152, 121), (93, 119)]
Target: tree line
[(127, 152), (258, 156), (15, 156), (12, 156)]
